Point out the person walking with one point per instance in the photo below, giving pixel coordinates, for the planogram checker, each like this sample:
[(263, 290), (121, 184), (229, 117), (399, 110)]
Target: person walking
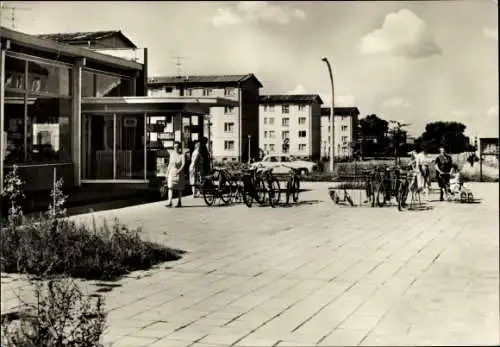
[(195, 169), (175, 174), (443, 166), (418, 162), (206, 165)]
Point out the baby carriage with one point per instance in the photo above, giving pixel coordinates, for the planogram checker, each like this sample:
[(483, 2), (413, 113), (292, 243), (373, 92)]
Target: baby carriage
[(458, 190)]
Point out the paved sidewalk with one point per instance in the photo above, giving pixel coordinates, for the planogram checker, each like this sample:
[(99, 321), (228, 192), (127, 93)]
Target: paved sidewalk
[(312, 274)]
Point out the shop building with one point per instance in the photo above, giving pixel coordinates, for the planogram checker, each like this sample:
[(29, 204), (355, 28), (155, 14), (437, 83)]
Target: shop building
[(85, 114)]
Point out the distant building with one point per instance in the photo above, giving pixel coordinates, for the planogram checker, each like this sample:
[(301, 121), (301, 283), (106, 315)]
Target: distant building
[(112, 39), (232, 129), (346, 123), (290, 118)]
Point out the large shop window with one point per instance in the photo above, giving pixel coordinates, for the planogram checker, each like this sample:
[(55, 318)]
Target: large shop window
[(96, 84), (37, 112)]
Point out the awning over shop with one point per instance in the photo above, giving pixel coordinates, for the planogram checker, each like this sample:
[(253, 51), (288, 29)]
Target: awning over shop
[(150, 105)]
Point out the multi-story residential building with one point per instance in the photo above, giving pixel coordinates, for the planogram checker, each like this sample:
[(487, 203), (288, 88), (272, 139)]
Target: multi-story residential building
[(232, 131), (346, 123), (293, 120)]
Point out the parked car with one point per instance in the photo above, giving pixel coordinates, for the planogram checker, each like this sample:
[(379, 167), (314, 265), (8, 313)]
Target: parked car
[(281, 163)]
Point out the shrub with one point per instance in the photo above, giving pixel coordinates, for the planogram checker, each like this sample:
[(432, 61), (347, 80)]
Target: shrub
[(61, 316), (50, 247), (54, 245)]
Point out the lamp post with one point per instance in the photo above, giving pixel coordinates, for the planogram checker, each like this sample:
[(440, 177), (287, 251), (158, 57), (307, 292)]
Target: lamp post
[(332, 154), (249, 146)]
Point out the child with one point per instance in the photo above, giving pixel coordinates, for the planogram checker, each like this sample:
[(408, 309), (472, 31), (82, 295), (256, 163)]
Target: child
[(455, 183)]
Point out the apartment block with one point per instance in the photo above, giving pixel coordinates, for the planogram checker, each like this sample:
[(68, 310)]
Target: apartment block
[(292, 119), (233, 132), (346, 124)]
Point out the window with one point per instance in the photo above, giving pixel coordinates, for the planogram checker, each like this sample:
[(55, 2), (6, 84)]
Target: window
[(302, 147), (302, 107), (169, 89), (302, 133), (265, 148), (302, 120), (285, 135), (344, 139), (285, 122), (273, 159), (271, 108), (271, 148), (272, 134), (38, 131), (101, 84), (188, 92), (228, 127), (285, 108), (228, 109), (344, 127), (229, 145), (285, 159), (207, 91), (266, 134), (265, 120), (271, 121), (329, 128), (228, 91)]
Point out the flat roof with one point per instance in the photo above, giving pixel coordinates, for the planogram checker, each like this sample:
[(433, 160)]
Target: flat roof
[(152, 104), (47, 45)]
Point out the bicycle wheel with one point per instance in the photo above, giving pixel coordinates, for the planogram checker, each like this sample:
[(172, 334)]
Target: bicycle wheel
[(288, 191), (274, 192), (208, 190), (402, 195), (224, 190), (348, 198), (334, 196), (295, 189), (248, 191), (260, 191), (380, 195)]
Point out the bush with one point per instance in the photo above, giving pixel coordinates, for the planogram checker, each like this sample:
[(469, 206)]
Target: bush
[(61, 316), (50, 247), (54, 245)]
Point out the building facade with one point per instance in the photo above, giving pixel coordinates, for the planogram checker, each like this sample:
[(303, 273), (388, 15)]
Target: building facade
[(290, 124), (345, 131), (232, 131), (84, 115)]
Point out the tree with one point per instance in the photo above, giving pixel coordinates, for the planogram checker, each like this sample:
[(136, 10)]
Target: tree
[(373, 131), (449, 135)]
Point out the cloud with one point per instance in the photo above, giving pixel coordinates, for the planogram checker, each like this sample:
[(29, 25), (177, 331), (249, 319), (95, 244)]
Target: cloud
[(255, 11), (403, 33), (344, 100), (224, 17), (299, 89), (492, 111), (396, 103), (490, 33)]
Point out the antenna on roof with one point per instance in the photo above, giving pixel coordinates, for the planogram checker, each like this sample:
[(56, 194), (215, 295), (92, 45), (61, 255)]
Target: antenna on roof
[(178, 65), (13, 18)]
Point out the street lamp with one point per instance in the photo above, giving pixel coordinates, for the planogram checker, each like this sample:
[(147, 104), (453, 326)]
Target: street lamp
[(325, 59), (249, 146)]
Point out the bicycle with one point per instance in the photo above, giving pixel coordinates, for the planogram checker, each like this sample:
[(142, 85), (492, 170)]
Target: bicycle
[(292, 185), (272, 188), (253, 187), (216, 186)]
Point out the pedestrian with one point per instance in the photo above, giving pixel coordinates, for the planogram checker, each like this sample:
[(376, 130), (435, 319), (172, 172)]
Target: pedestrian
[(195, 169), (175, 174), (418, 163), (205, 158), (443, 166)]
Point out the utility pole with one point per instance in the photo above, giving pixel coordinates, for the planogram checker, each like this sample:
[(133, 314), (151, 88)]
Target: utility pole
[(13, 13)]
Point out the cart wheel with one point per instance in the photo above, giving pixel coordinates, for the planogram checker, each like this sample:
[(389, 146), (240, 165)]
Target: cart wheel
[(334, 196), (463, 197), (470, 197), (380, 195)]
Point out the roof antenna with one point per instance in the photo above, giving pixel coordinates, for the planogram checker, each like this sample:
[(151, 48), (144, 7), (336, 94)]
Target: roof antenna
[(178, 65), (13, 18)]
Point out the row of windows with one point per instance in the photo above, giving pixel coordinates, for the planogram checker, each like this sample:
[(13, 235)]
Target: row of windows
[(284, 134), (209, 91), (284, 121), (284, 108), (271, 147), (342, 128)]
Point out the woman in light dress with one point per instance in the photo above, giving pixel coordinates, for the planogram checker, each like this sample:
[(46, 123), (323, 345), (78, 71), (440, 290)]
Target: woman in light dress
[(175, 174), (195, 168)]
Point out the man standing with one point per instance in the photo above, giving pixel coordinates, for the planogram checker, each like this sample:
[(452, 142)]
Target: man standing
[(443, 168)]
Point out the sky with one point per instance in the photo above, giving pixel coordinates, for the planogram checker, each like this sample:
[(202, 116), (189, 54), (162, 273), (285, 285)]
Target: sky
[(409, 61)]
